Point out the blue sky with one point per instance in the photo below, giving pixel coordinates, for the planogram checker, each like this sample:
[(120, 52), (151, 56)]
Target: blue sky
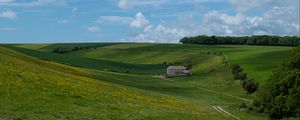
[(53, 21)]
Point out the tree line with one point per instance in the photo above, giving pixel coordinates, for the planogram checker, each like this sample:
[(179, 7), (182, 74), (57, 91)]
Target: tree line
[(73, 49), (243, 40), (249, 85)]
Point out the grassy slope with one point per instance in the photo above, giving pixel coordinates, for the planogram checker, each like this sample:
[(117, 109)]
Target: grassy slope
[(34, 89), (75, 60), (211, 84), (258, 61)]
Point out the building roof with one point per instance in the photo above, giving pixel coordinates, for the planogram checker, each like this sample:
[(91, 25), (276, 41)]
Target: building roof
[(176, 67)]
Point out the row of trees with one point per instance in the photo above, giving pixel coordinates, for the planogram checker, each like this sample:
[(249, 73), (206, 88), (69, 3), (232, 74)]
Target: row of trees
[(249, 85), (244, 40), (68, 50), (282, 99)]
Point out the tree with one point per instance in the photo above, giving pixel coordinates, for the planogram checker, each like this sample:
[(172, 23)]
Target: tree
[(282, 99), (250, 86), (235, 69), (60, 51)]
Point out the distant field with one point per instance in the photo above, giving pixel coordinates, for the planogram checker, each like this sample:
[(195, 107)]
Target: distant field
[(137, 66), (258, 61)]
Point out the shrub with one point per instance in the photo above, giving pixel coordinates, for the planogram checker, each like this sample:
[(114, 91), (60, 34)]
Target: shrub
[(250, 86), (235, 69)]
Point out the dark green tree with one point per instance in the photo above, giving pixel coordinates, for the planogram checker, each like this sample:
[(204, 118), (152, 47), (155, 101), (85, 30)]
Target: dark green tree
[(282, 99), (250, 86)]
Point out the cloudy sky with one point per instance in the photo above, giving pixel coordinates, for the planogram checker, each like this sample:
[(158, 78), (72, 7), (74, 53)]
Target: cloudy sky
[(44, 21)]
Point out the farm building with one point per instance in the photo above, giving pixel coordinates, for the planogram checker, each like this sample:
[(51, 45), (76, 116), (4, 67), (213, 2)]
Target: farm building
[(177, 71)]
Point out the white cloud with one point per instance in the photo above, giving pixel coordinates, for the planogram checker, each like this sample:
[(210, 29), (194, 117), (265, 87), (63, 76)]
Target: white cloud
[(139, 21), (124, 4), (116, 19), (278, 20), (245, 5), (160, 33), (93, 29), (271, 22), (8, 15), (224, 18)]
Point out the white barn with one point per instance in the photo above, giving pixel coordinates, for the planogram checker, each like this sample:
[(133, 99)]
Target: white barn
[(177, 71)]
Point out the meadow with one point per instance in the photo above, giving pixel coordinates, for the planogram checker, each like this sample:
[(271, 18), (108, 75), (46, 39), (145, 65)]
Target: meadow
[(121, 81)]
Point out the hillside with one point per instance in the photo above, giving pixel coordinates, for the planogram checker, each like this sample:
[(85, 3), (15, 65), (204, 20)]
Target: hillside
[(138, 67), (34, 89)]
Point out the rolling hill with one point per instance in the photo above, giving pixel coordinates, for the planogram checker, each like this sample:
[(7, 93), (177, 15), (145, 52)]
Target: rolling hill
[(35, 89), (123, 81)]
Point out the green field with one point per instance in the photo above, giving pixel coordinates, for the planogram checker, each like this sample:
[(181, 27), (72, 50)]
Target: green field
[(124, 81)]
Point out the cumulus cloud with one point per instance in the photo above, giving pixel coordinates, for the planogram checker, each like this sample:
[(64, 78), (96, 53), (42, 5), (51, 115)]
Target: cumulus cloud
[(139, 21), (245, 5), (93, 29), (8, 15), (224, 18), (279, 19), (272, 22), (160, 33)]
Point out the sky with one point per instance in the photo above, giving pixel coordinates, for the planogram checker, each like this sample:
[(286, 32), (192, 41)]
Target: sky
[(162, 21)]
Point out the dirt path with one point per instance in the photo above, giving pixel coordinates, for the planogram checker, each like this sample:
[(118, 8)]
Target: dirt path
[(225, 113)]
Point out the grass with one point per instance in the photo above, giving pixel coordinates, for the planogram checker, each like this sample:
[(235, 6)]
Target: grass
[(75, 60), (35, 91), (258, 61), (211, 83)]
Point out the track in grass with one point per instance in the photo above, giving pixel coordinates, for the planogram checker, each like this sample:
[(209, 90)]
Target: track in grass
[(225, 113)]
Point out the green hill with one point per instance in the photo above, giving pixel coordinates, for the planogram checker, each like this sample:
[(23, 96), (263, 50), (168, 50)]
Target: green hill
[(34, 89), (138, 68)]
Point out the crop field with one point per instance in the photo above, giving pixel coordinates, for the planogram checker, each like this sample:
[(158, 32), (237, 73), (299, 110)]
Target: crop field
[(126, 80)]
